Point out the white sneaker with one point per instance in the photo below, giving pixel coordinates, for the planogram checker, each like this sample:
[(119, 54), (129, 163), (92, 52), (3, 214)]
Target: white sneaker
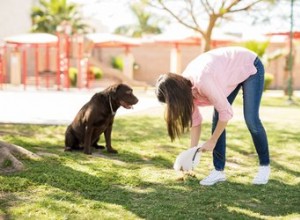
[(214, 177), (262, 176)]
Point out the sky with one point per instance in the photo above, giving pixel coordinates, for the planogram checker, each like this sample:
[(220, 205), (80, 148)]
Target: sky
[(109, 14)]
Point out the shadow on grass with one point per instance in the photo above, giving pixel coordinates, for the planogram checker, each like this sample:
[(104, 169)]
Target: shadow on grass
[(281, 141), (168, 201), (151, 200), (129, 137)]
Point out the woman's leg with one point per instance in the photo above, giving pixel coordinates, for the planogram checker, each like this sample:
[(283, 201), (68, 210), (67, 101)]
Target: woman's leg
[(252, 92), (219, 152)]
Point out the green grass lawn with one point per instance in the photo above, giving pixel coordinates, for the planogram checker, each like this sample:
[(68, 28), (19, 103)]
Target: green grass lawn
[(140, 183)]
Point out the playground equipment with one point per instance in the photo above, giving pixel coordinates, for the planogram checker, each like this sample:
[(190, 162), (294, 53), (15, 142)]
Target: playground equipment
[(111, 40), (46, 59), (16, 53), (2, 63)]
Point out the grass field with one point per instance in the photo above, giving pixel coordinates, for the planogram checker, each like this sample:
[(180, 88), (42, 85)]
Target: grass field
[(139, 182)]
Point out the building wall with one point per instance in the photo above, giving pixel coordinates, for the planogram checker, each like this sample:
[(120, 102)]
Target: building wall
[(15, 17), (154, 59), (277, 67)]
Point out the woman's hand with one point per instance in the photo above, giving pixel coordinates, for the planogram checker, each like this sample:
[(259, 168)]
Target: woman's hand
[(208, 146), (211, 143)]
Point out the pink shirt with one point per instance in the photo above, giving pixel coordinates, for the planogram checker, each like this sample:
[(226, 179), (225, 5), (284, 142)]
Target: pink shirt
[(215, 74)]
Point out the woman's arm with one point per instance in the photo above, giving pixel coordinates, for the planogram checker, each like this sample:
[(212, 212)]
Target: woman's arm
[(211, 143), (213, 92), (195, 135)]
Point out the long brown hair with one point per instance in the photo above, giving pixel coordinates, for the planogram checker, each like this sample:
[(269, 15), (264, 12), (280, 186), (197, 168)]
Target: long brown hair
[(176, 92)]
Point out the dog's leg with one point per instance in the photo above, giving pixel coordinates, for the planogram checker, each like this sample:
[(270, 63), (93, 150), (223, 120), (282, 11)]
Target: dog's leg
[(87, 139), (68, 139), (96, 145), (71, 142), (107, 135)]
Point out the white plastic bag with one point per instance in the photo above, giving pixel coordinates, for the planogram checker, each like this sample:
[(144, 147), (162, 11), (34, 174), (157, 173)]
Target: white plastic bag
[(188, 159)]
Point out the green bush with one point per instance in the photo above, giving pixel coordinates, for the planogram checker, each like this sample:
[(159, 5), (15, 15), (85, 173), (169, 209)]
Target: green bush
[(268, 80), (73, 76), (258, 47), (117, 62), (96, 72)]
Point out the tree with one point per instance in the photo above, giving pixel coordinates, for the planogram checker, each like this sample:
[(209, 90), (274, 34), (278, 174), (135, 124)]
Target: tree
[(51, 13), (203, 16), (290, 57), (147, 22)]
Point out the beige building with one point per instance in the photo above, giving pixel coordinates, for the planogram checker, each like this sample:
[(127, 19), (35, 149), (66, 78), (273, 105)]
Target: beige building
[(154, 59), (15, 17)]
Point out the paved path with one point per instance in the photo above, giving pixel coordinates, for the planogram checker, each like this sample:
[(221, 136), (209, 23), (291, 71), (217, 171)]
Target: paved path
[(60, 107)]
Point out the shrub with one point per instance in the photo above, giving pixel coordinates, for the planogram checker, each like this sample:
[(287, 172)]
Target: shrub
[(96, 72), (258, 47), (117, 62), (268, 80), (73, 76), (135, 66)]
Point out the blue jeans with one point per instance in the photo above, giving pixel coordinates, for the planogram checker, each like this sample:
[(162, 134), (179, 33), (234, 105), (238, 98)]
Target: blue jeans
[(252, 92)]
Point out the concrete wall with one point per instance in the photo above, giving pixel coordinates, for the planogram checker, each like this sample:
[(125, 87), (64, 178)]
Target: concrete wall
[(15, 17), (277, 67), (154, 59)]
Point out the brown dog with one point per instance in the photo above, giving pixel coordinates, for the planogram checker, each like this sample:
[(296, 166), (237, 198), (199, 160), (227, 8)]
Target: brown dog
[(97, 117)]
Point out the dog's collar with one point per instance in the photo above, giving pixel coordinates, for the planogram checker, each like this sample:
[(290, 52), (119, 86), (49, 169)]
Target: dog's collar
[(111, 109)]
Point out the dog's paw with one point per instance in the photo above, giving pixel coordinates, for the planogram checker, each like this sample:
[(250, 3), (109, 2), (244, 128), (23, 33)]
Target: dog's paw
[(89, 152), (98, 147)]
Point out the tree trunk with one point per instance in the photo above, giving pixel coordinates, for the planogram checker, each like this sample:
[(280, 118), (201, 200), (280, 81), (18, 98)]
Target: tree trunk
[(208, 35), (206, 44), (9, 154)]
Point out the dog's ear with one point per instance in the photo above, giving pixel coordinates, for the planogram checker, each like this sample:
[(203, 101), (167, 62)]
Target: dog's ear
[(113, 91)]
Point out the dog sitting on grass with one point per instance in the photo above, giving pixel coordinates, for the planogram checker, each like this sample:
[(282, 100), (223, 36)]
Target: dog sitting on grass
[(97, 117)]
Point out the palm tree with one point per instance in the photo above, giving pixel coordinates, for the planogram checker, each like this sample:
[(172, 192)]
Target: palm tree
[(51, 13), (148, 23)]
